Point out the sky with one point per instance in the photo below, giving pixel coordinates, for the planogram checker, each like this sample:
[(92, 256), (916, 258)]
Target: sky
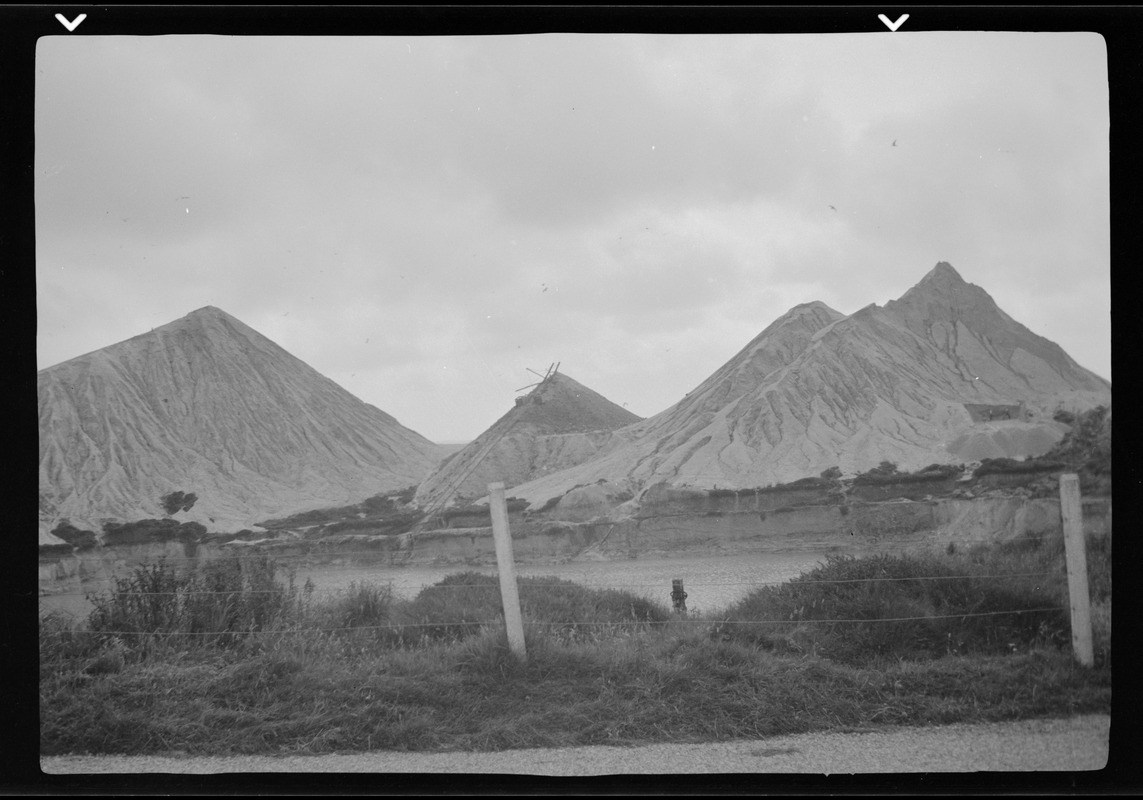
[(425, 219)]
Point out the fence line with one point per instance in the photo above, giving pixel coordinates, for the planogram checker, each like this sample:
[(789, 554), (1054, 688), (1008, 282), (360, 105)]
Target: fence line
[(569, 624), (824, 549), (534, 584)]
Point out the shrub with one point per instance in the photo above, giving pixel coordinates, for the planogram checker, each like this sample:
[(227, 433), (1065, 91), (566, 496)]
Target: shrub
[(931, 473), (178, 501), (62, 640), (306, 519), (213, 602), (452, 608), (885, 472), (1009, 466), (1087, 446), (382, 513), (941, 471), (76, 537), (458, 606), (399, 522), (151, 530), (854, 610), (364, 605), (799, 484), (378, 504)]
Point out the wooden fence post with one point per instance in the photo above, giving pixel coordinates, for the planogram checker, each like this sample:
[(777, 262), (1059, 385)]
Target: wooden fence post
[(678, 596), (509, 595), (1071, 514)]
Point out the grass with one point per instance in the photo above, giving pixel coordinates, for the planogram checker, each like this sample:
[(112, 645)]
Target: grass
[(909, 607), (368, 671)]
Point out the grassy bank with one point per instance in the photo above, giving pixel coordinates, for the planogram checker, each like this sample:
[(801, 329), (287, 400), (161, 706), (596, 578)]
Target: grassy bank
[(225, 661)]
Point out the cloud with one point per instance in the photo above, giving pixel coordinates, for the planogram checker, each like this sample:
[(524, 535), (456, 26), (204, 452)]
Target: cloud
[(424, 218)]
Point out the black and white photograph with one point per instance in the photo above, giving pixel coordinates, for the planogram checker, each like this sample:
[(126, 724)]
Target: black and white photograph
[(573, 401)]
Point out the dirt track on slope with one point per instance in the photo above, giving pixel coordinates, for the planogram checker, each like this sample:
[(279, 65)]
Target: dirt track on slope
[(1077, 744)]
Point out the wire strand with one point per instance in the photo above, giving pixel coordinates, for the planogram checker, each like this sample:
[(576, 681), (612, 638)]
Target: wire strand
[(534, 584), (317, 552), (717, 623)]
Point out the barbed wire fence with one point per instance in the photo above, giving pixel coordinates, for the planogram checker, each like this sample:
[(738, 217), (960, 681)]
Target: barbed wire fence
[(1071, 515), (724, 588)]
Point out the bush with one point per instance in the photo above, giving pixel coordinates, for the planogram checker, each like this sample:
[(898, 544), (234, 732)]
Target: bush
[(397, 523), (1009, 466), (458, 606), (364, 605), (938, 471), (307, 519), (378, 504), (216, 602), (151, 530), (381, 513), (1087, 446), (76, 537), (931, 473), (885, 472), (405, 496), (801, 484), (453, 608), (854, 610), (178, 501)]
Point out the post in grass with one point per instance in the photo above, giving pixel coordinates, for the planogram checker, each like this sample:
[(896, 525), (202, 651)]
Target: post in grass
[(509, 594), (1071, 515), (678, 596)]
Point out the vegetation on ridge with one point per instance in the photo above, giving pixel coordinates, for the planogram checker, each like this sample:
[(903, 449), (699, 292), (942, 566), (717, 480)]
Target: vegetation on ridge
[(390, 512), (886, 472)]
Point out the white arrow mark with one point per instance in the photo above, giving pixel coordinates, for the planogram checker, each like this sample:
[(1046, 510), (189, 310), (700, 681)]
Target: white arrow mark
[(71, 26), (893, 26)]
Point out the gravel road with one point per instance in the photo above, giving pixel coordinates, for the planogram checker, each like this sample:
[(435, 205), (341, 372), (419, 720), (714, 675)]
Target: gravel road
[(1074, 745)]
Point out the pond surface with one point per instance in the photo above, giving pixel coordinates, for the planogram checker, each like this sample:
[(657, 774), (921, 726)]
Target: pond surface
[(711, 582)]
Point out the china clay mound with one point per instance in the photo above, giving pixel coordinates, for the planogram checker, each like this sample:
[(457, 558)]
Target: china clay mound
[(559, 424)]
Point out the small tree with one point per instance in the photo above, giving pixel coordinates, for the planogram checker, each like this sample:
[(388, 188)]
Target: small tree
[(175, 502)]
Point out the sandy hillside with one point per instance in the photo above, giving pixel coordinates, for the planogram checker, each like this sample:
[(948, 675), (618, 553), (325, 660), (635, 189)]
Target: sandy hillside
[(819, 389), (558, 424), (207, 405)]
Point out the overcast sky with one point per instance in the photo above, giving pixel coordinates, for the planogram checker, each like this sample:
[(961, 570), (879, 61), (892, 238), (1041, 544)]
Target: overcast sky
[(423, 219)]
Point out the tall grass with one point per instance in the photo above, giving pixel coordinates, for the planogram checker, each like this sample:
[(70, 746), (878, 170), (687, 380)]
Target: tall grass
[(988, 600), (285, 673), (216, 603), (463, 604)]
